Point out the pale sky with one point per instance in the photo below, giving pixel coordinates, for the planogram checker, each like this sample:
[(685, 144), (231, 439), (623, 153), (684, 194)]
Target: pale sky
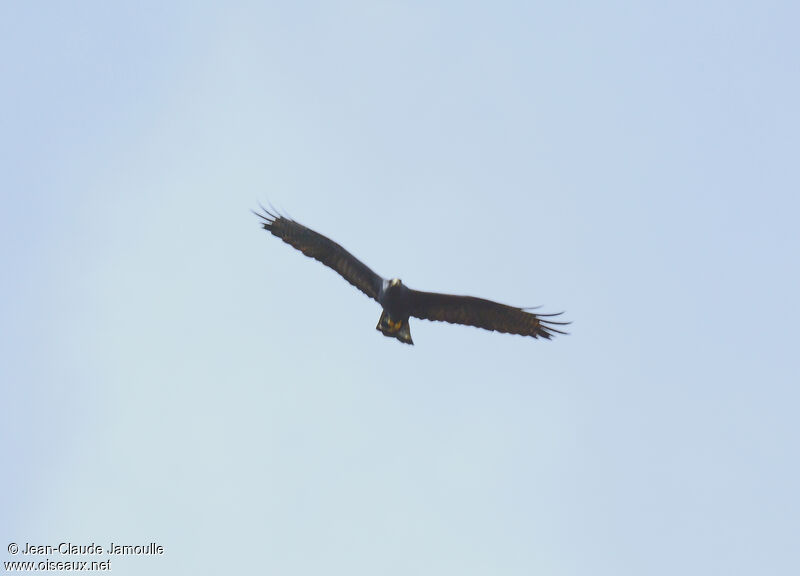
[(173, 374)]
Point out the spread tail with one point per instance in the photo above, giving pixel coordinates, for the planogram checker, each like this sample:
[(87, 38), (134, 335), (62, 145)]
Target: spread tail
[(395, 328)]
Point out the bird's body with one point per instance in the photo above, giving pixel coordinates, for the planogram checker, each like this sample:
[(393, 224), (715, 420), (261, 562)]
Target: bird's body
[(398, 301)]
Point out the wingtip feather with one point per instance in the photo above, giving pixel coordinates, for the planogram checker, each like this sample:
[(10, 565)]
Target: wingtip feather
[(268, 217)]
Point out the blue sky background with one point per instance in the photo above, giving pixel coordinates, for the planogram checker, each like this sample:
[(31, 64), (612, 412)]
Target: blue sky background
[(172, 373)]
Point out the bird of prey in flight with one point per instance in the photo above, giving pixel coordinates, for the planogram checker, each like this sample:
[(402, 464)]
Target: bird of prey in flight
[(400, 302)]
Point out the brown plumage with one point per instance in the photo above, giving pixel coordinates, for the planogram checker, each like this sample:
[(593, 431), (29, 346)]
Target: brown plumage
[(318, 247), (400, 302), (482, 313)]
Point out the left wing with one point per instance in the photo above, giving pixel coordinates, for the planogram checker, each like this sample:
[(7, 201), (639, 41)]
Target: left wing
[(482, 314), (319, 247)]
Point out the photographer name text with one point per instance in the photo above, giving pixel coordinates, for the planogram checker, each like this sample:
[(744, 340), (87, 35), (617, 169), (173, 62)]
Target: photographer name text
[(70, 549)]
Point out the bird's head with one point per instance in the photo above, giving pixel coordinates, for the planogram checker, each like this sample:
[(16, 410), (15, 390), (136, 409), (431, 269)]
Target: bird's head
[(395, 282)]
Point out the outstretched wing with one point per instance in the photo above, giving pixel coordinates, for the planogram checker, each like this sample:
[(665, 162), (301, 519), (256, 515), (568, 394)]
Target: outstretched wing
[(325, 250), (482, 314)]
